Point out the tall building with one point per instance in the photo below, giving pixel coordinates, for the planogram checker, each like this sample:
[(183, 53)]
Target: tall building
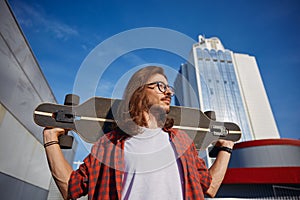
[(217, 79)]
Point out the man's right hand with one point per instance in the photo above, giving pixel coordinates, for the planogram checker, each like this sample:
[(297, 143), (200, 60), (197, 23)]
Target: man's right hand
[(52, 134)]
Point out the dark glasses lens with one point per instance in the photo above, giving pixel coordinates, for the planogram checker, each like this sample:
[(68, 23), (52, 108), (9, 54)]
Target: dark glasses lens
[(163, 87)]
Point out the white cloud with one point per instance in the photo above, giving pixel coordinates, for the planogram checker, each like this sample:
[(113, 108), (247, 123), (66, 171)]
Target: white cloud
[(35, 18)]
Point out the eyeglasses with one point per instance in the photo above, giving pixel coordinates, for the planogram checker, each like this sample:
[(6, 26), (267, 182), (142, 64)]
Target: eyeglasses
[(162, 87)]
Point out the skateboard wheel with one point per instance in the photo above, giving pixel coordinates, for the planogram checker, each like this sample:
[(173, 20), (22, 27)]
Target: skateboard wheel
[(65, 141), (211, 115), (71, 100)]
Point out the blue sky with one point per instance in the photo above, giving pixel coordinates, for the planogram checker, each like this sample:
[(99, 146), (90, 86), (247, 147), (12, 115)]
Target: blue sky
[(63, 33)]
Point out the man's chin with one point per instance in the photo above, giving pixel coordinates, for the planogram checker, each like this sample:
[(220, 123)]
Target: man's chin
[(160, 109), (167, 110)]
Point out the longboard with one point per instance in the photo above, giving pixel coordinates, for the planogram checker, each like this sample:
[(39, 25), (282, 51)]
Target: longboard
[(93, 118)]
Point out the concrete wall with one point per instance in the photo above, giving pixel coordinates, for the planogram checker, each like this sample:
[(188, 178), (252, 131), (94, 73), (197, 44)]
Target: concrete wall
[(24, 172)]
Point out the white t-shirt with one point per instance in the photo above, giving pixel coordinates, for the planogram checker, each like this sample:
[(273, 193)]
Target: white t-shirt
[(152, 171)]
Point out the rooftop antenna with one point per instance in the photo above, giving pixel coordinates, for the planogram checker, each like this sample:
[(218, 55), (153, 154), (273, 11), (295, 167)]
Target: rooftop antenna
[(201, 39)]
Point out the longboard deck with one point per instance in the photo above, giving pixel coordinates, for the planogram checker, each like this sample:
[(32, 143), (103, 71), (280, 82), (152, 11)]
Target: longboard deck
[(94, 117)]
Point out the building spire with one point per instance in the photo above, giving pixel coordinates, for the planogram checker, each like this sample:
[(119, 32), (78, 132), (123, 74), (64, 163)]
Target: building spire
[(201, 39), (210, 43)]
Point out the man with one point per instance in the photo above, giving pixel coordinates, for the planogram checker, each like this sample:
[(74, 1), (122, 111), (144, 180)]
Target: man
[(143, 158)]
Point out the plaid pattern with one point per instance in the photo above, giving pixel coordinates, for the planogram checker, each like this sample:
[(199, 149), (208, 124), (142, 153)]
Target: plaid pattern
[(100, 176)]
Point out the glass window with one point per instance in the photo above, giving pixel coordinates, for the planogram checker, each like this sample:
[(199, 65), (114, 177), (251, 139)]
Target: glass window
[(206, 54), (213, 54), (199, 53), (228, 56)]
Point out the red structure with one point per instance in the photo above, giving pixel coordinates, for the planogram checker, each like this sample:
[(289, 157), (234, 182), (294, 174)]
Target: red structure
[(267, 168)]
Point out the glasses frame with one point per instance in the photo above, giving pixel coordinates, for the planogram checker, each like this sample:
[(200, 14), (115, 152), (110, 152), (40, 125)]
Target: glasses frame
[(162, 87)]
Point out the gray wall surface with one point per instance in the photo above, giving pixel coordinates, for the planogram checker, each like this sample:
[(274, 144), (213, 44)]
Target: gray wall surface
[(24, 171)]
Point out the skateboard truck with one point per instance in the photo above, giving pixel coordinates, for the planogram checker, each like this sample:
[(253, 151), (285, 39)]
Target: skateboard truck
[(218, 130), (62, 116), (66, 141)]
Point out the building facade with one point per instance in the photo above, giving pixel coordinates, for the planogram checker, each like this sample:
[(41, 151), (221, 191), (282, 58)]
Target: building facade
[(217, 79), (262, 165), (24, 171)]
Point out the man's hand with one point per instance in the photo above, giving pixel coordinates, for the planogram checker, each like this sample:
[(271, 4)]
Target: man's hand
[(224, 143), (52, 134)]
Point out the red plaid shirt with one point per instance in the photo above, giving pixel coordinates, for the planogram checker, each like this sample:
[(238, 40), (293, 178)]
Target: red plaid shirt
[(100, 176)]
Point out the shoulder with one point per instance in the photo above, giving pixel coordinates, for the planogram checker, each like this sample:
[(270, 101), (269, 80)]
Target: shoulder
[(180, 139), (108, 149), (113, 137), (108, 141), (179, 134)]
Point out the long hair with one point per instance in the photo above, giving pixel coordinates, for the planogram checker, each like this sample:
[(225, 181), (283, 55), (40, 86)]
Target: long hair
[(135, 102)]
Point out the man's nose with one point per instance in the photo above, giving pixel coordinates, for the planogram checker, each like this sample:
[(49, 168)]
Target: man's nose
[(169, 91)]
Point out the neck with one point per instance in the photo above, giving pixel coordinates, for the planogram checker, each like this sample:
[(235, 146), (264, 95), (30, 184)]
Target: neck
[(151, 120), (154, 120)]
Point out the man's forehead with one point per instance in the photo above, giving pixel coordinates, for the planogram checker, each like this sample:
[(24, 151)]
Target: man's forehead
[(158, 77)]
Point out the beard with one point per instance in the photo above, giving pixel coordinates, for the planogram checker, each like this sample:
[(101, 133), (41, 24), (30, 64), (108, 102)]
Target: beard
[(159, 105), (159, 112)]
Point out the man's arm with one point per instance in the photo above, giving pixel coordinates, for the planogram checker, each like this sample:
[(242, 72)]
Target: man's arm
[(61, 170), (218, 169)]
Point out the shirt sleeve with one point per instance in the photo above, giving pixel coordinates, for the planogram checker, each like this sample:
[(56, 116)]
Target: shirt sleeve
[(78, 182), (204, 175)]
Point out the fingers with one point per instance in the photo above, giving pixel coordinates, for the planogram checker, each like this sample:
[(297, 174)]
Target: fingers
[(225, 143), (54, 132)]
